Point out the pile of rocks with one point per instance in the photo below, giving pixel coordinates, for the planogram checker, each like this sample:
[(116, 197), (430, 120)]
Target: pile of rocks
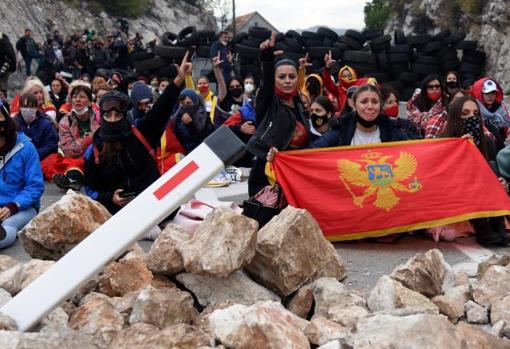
[(230, 285)]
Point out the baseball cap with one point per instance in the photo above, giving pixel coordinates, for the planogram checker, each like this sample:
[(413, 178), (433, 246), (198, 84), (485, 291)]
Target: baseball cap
[(489, 86)]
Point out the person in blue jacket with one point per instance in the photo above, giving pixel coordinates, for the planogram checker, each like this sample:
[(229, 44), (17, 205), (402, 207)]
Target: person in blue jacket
[(21, 180), (37, 126)]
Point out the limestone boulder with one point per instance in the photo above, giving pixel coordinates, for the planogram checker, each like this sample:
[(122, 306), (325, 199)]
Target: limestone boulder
[(500, 310), (96, 316), (475, 313), (389, 294), (223, 243), (61, 226), (11, 279), (476, 338), (7, 323), (302, 302), (48, 338), (262, 325), (237, 288), (426, 273), (496, 259), (7, 262), (417, 331), (164, 257), (127, 275), (183, 336), (4, 297), (292, 251), (33, 269), (329, 293), (493, 285), (452, 302), (163, 307), (347, 316), (321, 331), (136, 336), (58, 317)]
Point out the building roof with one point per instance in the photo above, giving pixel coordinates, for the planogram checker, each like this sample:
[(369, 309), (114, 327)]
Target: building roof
[(242, 20)]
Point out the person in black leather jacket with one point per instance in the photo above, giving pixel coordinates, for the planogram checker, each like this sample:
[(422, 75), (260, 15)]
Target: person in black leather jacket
[(279, 113)]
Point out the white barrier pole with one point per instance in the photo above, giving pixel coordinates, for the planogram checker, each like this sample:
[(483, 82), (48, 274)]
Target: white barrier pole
[(131, 223)]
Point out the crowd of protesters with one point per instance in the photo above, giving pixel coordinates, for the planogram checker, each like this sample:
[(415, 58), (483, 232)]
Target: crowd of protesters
[(115, 133)]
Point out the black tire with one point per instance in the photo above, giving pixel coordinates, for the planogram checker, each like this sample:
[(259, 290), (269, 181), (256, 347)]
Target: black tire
[(379, 47), (371, 34), (424, 69), (406, 93), (306, 34), (204, 51), (259, 32), (318, 52), (408, 77), (418, 40), (430, 60), (312, 42), (188, 36), (450, 65), (466, 67), (247, 52), (399, 58), (359, 57), (293, 44), (341, 46), (295, 35), (454, 38), (251, 42), (432, 46), (140, 56), (396, 69), (293, 56), (475, 57), (400, 49), (327, 42), (352, 43), (169, 39), (356, 35), (170, 51), (399, 37), (381, 40), (442, 35), (383, 62), (380, 77), (328, 33), (396, 84), (467, 45), (150, 64), (239, 38), (362, 68), (447, 54)]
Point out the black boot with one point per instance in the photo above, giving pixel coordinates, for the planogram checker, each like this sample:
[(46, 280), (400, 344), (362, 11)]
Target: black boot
[(485, 235), (71, 180), (498, 226)]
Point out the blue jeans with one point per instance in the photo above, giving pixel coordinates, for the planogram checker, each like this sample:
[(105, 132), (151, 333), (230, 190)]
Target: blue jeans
[(14, 224), (28, 65)]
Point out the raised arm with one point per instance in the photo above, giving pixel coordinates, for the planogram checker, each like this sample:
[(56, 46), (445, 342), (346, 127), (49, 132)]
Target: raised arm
[(218, 74)]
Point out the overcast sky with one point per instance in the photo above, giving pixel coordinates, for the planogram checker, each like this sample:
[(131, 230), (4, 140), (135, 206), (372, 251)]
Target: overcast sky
[(299, 14)]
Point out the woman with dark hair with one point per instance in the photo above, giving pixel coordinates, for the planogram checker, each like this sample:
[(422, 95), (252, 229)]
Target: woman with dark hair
[(58, 94), (321, 117), (234, 99), (391, 109), (464, 121), (452, 83), (279, 113), (121, 162), (37, 126), (427, 102), (21, 180)]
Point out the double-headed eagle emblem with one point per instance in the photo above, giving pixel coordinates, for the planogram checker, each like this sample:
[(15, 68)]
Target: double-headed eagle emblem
[(379, 177)]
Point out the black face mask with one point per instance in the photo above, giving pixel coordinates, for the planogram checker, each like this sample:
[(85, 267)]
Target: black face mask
[(115, 131), (471, 125), (452, 84), (236, 92), (313, 87), (318, 120), (365, 123), (3, 128), (191, 110)]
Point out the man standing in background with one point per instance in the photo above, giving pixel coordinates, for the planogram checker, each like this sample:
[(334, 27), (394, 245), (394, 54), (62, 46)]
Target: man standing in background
[(7, 60), (28, 49)]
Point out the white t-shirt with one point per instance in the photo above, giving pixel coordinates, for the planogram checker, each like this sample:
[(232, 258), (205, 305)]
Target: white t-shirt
[(361, 137)]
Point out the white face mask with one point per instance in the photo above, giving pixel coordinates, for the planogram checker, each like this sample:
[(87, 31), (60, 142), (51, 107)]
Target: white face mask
[(249, 87), (80, 112), (28, 114)]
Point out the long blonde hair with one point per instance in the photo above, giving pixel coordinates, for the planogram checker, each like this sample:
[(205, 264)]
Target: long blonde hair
[(32, 82)]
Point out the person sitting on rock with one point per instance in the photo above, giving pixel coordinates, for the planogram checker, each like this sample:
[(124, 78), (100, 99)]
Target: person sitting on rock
[(37, 126), (35, 86), (121, 162), (391, 109), (21, 180)]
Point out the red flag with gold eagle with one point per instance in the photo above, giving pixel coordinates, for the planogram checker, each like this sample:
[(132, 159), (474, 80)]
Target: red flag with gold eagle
[(379, 189)]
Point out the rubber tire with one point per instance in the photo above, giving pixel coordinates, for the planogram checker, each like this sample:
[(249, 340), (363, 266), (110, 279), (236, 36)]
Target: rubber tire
[(327, 42), (170, 51), (430, 60), (379, 47), (247, 52), (383, 62), (341, 46), (432, 46), (360, 57), (150, 64), (454, 38), (475, 57), (204, 51), (466, 67), (312, 42), (140, 56), (400, 49), (168, 38), (328, 33), (396, 84), (362, 68), (306, 34), (408, 77), (396, 69), (399, 37), (188, 36), (371, 34), (352, 43), (399, 58), (380, 77), (424, 69), (450, 65), (356, 35), (442, 35), (418, 40), (447, 54), (259, 32), (467, 45)]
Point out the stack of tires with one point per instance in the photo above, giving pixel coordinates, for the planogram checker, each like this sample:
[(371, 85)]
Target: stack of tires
[(172, 49)]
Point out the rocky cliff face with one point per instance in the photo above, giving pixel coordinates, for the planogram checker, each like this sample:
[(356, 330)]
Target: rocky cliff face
[(487, 21), (43, 16)]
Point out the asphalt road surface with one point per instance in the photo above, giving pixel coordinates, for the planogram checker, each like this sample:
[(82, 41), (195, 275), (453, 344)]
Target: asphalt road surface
[(366, 261)]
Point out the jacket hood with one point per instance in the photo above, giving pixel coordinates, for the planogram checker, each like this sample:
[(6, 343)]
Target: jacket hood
[(347, 83), (477, 90), (139, 92)]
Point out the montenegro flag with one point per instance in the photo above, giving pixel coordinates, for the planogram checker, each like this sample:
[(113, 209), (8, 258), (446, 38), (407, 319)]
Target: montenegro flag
[(380, 189)]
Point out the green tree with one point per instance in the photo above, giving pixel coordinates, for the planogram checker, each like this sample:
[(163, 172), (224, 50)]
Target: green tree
[(377, 14)]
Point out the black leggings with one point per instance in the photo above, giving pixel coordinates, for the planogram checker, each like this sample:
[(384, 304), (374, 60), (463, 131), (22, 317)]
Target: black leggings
[(258, 178)]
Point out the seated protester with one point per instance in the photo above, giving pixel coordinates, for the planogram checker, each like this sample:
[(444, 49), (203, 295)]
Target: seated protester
[(249, 87), (36, 126), (310, 86), (21, 181), (67, 106), (121, 162), (452, 84), (35, 86), (349, 106), (191, 121), (243, 125), (75, 132), (162, 85), (234, 98), (427, 102), (141, 96), (489, 95), (321, 117), (391, 109), (347, 77), (58, 94), (464, 120), (102, 89)]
